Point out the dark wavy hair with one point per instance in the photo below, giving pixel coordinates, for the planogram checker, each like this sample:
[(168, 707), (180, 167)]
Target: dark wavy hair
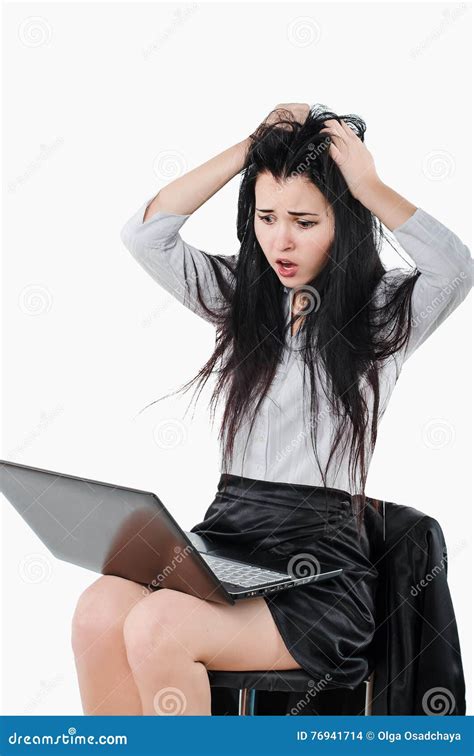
[(346, 337)]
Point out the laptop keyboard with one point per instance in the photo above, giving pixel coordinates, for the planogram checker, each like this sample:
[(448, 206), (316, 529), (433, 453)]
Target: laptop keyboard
[(238, 573)]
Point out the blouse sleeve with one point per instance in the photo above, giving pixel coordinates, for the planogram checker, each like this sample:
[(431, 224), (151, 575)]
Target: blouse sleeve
[(445, 265), (174, 264)]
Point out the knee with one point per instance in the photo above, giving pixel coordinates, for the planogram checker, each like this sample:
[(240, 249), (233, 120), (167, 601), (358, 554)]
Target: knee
[(100, 609), (152, 625)]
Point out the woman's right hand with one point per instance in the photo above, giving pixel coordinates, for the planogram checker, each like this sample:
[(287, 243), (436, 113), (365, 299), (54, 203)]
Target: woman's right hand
[(297, 111)]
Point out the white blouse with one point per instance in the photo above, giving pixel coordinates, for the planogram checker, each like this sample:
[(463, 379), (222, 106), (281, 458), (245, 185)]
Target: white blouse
[(279, 447)]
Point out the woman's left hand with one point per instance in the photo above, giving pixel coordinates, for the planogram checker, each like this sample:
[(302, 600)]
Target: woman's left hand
[(351, 156)]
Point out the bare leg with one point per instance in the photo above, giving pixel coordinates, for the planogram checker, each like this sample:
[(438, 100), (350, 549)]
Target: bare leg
[(172, 639), (106, 683)]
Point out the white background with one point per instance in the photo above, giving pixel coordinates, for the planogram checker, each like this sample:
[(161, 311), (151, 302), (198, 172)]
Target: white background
[(103, 105)]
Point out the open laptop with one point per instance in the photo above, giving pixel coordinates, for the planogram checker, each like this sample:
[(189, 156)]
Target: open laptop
[(116, 530)]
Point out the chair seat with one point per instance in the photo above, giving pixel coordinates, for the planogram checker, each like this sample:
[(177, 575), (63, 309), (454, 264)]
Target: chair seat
[(286, 680)]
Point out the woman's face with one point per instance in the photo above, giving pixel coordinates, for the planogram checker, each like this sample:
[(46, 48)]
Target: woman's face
[(295, 223)]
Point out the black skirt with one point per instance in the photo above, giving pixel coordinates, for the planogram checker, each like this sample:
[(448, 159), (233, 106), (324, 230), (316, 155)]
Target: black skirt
[(327, 626)]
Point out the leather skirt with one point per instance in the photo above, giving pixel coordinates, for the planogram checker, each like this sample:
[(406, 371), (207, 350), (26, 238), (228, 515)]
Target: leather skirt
[(327, 626)]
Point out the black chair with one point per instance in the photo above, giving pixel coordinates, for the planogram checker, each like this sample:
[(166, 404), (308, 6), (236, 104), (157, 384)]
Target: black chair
[(415, 651), (291, 681)]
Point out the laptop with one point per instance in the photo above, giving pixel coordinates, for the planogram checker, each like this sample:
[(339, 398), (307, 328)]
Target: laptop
[(116, 530)]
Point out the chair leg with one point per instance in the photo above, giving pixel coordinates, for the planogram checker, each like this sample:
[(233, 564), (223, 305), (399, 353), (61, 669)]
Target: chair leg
[(246, 701), (369, 688)]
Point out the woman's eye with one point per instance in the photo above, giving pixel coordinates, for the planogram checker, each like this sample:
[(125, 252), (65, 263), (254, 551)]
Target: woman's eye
[(302, 224)]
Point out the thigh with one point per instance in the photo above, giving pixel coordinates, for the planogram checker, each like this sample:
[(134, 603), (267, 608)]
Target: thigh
[(242, 636)]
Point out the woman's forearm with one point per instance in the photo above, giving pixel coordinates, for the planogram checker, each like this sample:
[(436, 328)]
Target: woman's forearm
[(390, 207), (185, 194)]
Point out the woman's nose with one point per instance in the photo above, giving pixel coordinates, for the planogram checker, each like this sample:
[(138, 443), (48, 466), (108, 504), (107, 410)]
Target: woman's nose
[(284, 240)]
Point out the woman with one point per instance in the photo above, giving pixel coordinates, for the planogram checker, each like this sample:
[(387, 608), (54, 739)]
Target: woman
[(311, 335)]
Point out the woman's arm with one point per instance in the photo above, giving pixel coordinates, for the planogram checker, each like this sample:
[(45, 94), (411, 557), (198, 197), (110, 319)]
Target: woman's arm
[(187, 193), (189, 274), (390, 207), (445, 263), (443, 260), (446, 268), (194, 277), (152, 235)]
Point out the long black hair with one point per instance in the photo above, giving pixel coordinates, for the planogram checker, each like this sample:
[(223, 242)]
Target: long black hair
[(346, 337)]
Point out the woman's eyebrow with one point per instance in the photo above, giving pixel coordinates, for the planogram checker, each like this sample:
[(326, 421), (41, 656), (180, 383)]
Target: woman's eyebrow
[(290, 212)]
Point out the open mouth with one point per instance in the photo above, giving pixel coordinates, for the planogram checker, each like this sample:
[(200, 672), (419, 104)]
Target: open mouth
[(286, 267)]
